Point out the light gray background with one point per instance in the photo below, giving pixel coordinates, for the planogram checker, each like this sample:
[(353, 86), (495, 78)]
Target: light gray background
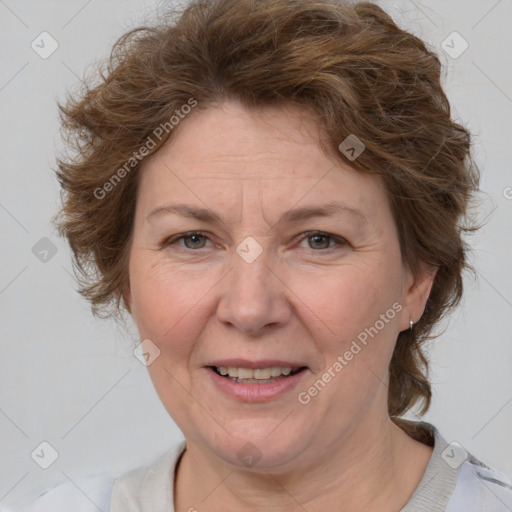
[(71, 380)]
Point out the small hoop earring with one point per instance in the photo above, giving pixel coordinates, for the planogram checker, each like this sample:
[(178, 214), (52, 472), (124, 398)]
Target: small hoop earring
[(411, 324)]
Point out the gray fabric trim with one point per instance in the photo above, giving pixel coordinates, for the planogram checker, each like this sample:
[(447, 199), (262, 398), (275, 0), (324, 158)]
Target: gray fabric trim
[(438, 482)]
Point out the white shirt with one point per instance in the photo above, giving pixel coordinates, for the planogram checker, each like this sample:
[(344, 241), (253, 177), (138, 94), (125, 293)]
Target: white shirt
[(454, 481)]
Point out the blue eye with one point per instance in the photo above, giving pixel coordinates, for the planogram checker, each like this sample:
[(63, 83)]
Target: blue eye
[(321, 241), (197, 240), (193, 240)]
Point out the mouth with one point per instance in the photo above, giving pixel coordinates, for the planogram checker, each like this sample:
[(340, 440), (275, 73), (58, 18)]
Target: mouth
[(252, 381), (266, 375)]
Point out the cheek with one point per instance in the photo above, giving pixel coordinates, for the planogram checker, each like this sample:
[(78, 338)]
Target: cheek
[(350, 300), (349, 304), (166, 305)]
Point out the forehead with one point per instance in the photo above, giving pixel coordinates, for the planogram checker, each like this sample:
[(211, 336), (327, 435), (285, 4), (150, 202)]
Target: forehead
[(226, 154), (245, 140)]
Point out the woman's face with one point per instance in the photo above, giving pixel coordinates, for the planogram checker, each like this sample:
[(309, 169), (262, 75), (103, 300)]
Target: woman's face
[(253, 249)]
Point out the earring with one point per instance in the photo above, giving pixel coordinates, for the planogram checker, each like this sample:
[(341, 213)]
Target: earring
[(411, 324)]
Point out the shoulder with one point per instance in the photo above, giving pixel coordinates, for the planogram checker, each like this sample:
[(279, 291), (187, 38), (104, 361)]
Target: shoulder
[(88, 494), (482, 487)]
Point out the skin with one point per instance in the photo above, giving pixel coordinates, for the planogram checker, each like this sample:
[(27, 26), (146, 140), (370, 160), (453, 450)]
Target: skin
[(303, 300)]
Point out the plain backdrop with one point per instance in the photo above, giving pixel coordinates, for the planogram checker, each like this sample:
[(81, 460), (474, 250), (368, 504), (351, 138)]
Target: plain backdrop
[(71, 380)]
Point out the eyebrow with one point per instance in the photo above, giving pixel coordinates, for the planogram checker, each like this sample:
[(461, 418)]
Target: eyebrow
[(290, 217)]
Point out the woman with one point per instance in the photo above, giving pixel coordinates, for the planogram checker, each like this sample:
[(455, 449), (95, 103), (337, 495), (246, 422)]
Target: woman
[(276, 193)]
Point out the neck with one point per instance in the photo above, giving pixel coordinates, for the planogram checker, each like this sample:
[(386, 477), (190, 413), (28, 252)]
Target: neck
[(372, 468)]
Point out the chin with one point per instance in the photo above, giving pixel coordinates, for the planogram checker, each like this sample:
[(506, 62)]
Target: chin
[(255, 446)]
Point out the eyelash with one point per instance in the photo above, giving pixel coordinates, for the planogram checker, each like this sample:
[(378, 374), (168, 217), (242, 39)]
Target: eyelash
[(339, 241)]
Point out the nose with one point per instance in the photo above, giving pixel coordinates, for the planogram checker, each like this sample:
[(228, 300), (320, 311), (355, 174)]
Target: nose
[(254, 297)]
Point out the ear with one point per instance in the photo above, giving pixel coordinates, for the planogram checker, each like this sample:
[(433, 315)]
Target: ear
[(416, 292)]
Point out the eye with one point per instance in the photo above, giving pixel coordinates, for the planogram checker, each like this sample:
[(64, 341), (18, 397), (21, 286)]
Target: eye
[(320, 241), (193, 240)]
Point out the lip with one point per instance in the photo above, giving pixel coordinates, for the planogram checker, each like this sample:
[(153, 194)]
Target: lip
[(264, 363), (255, 392)]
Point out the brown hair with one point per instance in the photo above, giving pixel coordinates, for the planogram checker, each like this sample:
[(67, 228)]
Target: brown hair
[(349, 64)]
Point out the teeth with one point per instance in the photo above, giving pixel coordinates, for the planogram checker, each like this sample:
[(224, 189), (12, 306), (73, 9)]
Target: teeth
[(263, 373), (243, 373), (249, 373)]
